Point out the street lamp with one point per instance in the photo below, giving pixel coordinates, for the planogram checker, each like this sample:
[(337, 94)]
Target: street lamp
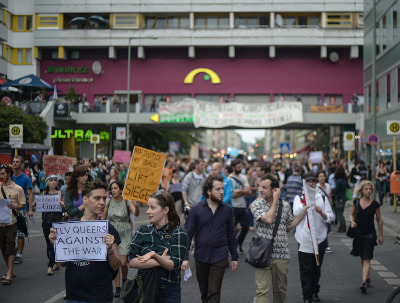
[(128, 86)]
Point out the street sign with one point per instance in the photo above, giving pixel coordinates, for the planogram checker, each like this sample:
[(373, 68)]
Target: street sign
[(16, 132), (348, 141), (284, 147), (121, 133), (95, 139), (155, 117), (373, 140), (393, 127)]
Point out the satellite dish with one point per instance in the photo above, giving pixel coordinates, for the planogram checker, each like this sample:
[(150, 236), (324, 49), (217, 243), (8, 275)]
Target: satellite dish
[(334, 57), (279, 20), (96, 67)]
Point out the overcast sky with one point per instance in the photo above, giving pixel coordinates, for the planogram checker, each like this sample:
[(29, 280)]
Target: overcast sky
[(250, 136)]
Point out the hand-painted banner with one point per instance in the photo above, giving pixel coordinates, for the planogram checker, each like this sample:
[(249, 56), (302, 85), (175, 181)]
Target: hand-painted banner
[(81, 240), (54, 165), (48, 203), (218, 115), (144, 174), (179, 111)]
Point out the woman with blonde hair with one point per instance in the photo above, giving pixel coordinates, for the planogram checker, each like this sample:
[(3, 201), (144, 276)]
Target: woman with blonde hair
[(362, 216)]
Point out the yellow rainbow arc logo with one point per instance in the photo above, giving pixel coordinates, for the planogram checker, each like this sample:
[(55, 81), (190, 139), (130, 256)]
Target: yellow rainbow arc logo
[(209, 74)]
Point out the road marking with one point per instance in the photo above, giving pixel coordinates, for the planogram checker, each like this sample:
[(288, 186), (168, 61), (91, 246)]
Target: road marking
[(395, 282), (387, 274), (375, 262), (56, 297), (378, 267)]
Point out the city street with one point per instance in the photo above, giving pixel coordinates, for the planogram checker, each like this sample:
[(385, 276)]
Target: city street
[(341, 274)]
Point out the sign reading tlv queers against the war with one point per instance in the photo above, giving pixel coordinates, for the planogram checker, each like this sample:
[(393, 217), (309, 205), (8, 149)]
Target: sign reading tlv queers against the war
[(144, 174)]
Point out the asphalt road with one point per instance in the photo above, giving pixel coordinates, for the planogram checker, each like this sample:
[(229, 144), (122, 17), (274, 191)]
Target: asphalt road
[(340, 281)]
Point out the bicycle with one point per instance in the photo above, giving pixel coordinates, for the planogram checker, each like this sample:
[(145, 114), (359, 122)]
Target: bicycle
[(395, 295)]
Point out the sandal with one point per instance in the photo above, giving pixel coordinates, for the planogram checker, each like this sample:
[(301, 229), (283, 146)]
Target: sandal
[(7, 281), (5, 276), (368, 281)]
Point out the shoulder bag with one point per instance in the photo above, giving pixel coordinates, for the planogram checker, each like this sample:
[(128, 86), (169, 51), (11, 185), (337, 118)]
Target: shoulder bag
[(260, 249), (356, 231), (21, 223)]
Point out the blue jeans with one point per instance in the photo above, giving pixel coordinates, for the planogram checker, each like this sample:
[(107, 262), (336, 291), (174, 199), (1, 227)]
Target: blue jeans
[(251, 218), (170, 292), (381, 186)]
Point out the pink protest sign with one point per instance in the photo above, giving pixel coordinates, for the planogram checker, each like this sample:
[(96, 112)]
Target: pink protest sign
[(123, 156)]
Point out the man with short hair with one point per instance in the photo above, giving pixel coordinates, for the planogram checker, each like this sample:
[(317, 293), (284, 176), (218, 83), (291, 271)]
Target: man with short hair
[(191, 188), (216, 169), (8, 231), (294, 185), (318, 215), (211, 222), (21, 179), (241, 188), (264, 210)]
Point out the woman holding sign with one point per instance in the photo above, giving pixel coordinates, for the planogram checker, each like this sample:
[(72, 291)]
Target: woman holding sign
[(73, 195), (160, 245), (48, 218), (118, 211)]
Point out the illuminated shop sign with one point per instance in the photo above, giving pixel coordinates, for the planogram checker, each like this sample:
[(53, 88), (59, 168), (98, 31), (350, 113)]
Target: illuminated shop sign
[(209, 75), (80, 135), (66, 70), (72, 80)]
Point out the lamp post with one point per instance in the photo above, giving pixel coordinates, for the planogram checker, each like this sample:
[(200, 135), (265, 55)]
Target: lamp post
[(128, 86)]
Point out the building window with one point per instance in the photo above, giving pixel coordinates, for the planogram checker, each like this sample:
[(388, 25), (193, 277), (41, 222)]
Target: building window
[(17, 23), (211, 21), (16, 55), (74, 54), (297, 21), (163, 22), (339, 20), (48, 21), (54, 54), (126, 21)]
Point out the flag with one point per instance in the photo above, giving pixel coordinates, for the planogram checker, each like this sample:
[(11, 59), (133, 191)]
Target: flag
[(55, 95)]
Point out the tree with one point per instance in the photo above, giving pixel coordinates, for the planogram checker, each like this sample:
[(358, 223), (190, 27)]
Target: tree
[(71, 94), (34, 127), (322, 140)]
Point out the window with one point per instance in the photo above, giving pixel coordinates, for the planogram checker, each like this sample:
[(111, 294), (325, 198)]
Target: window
[(125, 21), (75, 55), (47, 21), (211, 21), (290, 20), (54, 54), (20, 56), (163, 22), (28, 56), (18, 23), (251, 21), (339, 20), (17, 55)]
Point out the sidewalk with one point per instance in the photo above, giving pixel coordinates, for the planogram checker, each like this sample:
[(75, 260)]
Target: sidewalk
[(390, 219)]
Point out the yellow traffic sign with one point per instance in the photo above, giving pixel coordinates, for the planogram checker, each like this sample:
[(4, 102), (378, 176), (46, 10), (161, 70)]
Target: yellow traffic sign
[(392, 127), (16, 131), (155, 117)]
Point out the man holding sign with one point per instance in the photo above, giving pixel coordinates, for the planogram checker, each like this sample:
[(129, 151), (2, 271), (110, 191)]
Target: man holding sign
[(311, 234), (12, 197), (88, 280)]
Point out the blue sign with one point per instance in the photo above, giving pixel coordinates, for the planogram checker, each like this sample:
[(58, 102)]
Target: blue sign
[(174, 146), (285, 147)]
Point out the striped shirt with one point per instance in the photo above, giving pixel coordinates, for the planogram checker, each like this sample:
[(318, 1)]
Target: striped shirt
[(294, 186), (148, 238)]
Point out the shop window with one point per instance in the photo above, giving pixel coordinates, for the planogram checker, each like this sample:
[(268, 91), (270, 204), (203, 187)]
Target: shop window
[(339, 20), (125, 21), (211, 21), (251, 21)]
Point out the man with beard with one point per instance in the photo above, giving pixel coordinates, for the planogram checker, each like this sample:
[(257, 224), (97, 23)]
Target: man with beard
[(211, 222), (216, 169)]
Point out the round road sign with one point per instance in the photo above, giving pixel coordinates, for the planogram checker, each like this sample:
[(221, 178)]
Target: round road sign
[(15, 130), (373, 140), (394, 127)]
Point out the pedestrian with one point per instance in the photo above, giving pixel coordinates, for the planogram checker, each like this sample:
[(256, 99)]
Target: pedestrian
[(212, 223), (381, 175), (339, 196), (47, 220), (325, 191), (8, 231), (42, 179), (21, 179), (191, 188), (160, 244), (362, 215), (294, 185), (91, 281), (252, 180), (264, 210), (117, 211), (241, 188), (73, 198), (153, 105), (216, 169), (312, 227)]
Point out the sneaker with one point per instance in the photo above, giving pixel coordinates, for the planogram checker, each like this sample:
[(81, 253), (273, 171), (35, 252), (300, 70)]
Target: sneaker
[(49, 271), (328, 250), (18, 260), (363, 287), (56, 266), (117, 292)]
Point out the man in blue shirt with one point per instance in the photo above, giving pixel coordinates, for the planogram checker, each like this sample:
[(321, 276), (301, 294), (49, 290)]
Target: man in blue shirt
[(216, 169), (21, 179), (212, 223)]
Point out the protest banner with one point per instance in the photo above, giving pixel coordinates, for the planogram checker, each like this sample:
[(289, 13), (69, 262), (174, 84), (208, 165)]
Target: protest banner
[(263, 115), (81, 240), (316, 157), (54, 165), (122, 156), (48, 203), (144, 174), (5, 212)]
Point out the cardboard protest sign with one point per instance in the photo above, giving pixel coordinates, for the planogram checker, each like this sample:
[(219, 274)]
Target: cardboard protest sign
[(316, 157), (123, 156), (54, 165), (5, 212), (144, 174), (48, 203), (81, 240)]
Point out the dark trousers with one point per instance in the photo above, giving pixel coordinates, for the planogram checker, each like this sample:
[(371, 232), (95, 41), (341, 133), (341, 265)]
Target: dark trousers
[(381, 187), (210, 278), (310, 272), (242, 217), (170, 292), (50, 248), (250, 214)]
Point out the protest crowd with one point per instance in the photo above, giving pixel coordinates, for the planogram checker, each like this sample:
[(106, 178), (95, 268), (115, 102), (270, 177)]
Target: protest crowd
[(199, 216)]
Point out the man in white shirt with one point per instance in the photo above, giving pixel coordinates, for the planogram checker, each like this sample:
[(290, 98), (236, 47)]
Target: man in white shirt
[(312, 227)]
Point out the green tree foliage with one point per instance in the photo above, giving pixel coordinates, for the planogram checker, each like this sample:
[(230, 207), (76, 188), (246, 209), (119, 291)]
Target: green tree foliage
[(322, 140), (34, 127), (158, 140), (71, 94)]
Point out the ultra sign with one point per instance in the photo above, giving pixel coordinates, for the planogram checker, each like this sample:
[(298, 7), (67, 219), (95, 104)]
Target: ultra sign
[(78, 134)]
